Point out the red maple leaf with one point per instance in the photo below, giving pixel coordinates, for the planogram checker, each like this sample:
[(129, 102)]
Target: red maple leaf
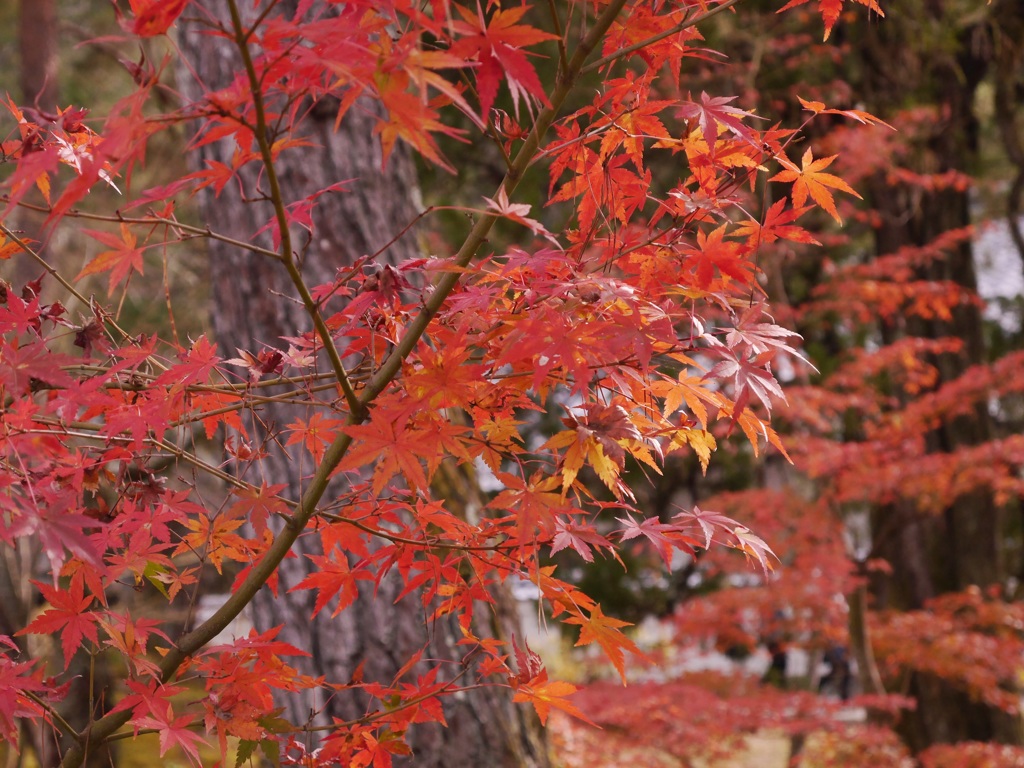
[(332, 576), (391, 448), (708, 522), (265, 361), (580, 538), (315, 434), (535, 502), (664, 536), (257, 504), (16, 680), (497, 45), (830, 10), (750, 376), (154, 17), (714, 111), (755, 337), (174, 731), (68, 615), (529, 663), (753, 547)]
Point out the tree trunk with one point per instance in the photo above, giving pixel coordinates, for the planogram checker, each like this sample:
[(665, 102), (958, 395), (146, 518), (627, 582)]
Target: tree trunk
[(38, 81), (37, 43), (255, 304)]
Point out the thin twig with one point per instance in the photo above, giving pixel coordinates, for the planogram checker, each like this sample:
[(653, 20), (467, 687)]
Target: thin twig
[(74, 213), (334, 518), (52, 713), (56, 275), (281, 213)]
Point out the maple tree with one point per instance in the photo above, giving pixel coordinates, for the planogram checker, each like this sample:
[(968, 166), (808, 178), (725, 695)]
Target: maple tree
[(628, 307)]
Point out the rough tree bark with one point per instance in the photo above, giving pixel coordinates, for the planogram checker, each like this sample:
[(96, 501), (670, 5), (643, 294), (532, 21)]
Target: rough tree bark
[(252, 305)]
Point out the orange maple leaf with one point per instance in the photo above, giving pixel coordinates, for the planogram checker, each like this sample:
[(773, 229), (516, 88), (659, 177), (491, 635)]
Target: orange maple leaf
[(124, 257), (314, 435), (604, 630), (8, 249), (862, 117), (218, 536), (810, 180), (545, 694)]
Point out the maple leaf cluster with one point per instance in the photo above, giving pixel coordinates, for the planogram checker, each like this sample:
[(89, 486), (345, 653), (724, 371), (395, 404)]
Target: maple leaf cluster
[(641, 325)]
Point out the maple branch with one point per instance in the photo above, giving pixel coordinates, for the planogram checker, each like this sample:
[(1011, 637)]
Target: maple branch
[(101, 729), (492, 131), (221, 389), (90, 431), (294, 397), (56, 275), (289, 398), (393, 537), (324, 333), (195, 461), (448, 687), (563, 58), (191, 229), (141, 732), (684, 24), (277, 199)]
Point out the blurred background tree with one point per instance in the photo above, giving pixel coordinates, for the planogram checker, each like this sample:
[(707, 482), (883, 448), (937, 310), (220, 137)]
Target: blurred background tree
[(906, 546)]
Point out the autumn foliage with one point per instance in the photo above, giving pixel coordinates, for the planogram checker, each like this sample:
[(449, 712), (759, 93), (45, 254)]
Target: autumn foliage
[(628, 306)]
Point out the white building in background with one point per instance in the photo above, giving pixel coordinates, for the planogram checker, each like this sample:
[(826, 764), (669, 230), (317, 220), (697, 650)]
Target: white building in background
[(1000, 273)]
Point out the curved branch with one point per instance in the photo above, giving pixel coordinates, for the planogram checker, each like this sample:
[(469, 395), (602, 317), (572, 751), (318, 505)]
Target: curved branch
[(103, 728)]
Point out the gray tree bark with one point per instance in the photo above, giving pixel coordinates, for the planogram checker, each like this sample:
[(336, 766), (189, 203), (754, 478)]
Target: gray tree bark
[(255, 303)]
